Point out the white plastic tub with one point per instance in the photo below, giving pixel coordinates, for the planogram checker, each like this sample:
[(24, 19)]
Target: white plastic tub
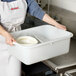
[(52, 42)]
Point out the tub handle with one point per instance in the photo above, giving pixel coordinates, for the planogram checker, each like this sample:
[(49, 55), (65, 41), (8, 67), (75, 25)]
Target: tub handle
[(15, 43)]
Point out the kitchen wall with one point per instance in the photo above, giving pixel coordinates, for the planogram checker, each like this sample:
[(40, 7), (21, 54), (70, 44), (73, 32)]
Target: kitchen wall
[(66, 4)]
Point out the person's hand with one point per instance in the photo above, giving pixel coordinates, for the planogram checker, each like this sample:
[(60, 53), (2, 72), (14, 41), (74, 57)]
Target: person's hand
[(9, 39), (61, 27)]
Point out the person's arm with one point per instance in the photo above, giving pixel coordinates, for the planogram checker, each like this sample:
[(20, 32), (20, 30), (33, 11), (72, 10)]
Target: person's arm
[(50, 20), (35, 10), (8, 37)]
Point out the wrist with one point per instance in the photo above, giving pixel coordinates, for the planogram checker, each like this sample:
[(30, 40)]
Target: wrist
[(57, 25), (4, 33)]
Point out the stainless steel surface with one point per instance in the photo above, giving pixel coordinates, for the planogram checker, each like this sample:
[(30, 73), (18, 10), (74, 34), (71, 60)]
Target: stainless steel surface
[(48, 6), (71, 72)]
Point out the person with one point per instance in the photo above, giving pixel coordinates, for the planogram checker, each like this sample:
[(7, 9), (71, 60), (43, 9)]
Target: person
[(12, 15), (32, 9)]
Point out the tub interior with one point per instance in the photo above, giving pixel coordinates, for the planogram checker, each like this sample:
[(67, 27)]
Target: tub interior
[(43, 33)]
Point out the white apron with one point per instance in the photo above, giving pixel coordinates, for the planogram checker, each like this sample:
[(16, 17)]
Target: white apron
[(12, 15)]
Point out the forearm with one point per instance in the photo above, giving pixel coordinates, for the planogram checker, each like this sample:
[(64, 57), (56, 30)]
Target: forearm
[(50, 20), (3, 32), (7, 35)]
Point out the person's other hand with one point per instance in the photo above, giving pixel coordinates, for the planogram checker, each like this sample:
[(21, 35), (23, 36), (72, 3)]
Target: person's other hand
[(61, 27), (9, 39)]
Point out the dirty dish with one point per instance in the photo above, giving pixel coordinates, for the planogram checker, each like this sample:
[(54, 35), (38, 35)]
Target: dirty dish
[(27, 40)]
